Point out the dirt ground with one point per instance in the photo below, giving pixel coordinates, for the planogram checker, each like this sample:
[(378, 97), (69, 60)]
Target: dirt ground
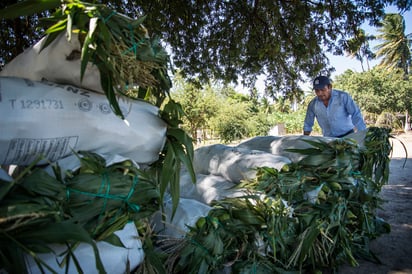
[(394, 249)]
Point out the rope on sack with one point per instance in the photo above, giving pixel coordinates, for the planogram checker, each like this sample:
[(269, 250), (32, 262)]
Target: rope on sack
[(109, 16), (105, 187), (134, 44)]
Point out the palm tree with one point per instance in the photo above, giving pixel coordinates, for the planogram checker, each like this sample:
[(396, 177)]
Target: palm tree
[(358, 47), (395, 48)]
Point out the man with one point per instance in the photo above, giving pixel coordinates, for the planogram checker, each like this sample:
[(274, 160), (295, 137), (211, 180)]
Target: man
[(336, 112)]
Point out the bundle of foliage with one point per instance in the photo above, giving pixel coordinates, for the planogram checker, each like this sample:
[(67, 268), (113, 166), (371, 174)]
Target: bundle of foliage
[(126, 56), (317, 213), (119, 46), (85, 205)]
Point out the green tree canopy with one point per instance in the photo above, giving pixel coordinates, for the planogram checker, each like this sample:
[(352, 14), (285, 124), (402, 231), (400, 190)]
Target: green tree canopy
[(239, 40), (378, 90), (358, 47), (396, 45), (200, 104)]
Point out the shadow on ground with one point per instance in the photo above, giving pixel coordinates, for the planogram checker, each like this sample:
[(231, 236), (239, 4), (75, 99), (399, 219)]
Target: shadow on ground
[(393, 249)]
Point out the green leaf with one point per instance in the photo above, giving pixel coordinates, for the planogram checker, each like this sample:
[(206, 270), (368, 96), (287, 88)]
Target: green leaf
[(107, 85), (12, 258), (5, 187), (153, 259), (322, 145), (137, 23), (41, 183), (113, 239), (58, 27), (62, 233), (49, 39), (185, 156), (91, 162), (71, 256), (28, 7), (69, 27), (26, 208), (304, 151), (104, 34), (87, 53), (168, 168), (316, 160)]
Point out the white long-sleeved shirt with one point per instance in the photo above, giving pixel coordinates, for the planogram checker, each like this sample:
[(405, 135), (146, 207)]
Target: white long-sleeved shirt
[(339, 117)]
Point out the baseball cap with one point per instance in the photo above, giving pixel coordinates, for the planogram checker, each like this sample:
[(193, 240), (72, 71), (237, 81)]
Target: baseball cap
[(320, 82)]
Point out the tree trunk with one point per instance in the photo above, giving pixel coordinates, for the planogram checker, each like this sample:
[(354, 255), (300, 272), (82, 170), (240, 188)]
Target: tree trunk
[(407, 121)]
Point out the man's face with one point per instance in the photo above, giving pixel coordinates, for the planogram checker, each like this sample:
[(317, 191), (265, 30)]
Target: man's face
[(324, 93)]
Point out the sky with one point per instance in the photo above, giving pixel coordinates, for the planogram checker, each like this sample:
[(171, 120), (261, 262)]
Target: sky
[(343, 63)]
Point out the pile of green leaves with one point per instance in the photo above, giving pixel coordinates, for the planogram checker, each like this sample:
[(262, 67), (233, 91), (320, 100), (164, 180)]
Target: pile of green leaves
[(375, 156), (119, 46), (37, 209), (314, 214), (126, 56)]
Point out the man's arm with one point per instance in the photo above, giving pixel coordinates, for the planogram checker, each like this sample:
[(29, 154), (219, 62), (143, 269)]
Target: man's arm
[(357, 118), (309, 119)]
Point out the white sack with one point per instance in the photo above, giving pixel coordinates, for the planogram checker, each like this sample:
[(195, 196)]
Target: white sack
[(52, 120), (59, 62), (207, 188), (232, 163), (262, 143), (358, 136), (280, 145), (187, 214), (114, 258)]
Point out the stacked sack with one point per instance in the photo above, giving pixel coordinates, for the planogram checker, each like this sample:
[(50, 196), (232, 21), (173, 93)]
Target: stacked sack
[(49, 113)]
